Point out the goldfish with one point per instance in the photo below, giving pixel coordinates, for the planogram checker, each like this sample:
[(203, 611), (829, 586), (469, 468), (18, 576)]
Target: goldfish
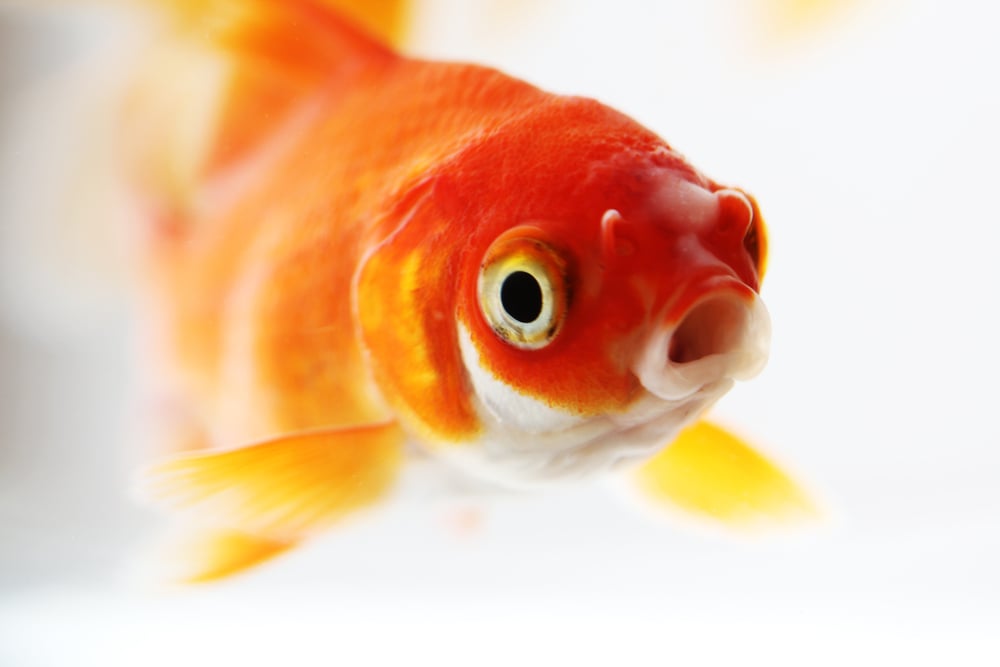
[(361, 260)]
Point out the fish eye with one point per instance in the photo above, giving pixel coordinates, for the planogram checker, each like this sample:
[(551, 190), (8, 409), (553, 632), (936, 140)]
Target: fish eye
[(522, 292)]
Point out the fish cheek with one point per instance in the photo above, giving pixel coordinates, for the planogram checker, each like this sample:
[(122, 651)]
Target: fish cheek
[(583, 371), (406, 309)]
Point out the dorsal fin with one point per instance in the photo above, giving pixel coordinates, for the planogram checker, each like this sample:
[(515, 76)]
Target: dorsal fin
[(385, 20), (231, 75)]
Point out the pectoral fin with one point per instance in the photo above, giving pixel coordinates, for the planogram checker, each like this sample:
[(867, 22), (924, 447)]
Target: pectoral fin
[(197, 554), (710, 472), (284, 489)]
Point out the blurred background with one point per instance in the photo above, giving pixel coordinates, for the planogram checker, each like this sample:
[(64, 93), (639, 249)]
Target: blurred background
[(868, 132)]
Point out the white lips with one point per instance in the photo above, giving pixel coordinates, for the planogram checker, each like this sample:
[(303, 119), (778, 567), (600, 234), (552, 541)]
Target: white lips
[(722, 337)]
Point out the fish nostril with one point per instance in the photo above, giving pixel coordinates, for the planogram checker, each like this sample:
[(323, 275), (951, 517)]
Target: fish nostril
[(714, 326)]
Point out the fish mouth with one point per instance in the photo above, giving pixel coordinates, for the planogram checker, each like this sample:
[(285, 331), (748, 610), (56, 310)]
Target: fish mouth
[(725, 335)]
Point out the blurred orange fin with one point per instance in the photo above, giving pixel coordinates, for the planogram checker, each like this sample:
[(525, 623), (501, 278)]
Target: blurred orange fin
[(709, 472), (202, 555), (284, 489), (387, 20), (232, 75), (780, 23)]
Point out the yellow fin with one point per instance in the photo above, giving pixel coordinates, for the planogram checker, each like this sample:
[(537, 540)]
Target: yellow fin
[(710, 472), (798, 19), (388, 20), (201, 555), (284, 489)]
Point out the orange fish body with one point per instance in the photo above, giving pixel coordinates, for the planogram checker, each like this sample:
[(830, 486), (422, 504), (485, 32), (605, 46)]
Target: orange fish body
[(369, 254)]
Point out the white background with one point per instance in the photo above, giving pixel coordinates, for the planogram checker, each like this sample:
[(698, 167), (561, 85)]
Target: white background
[(870, 139)]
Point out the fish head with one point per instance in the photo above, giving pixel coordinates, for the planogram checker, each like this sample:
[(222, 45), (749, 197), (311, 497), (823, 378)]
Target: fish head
[(601, 293)]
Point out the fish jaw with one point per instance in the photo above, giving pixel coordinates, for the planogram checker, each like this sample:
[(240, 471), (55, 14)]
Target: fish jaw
[(525, 442)]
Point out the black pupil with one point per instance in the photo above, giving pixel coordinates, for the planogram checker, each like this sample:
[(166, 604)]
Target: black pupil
[(521, 296)]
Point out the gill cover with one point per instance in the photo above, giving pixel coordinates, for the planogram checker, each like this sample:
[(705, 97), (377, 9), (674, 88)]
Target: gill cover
[(404, 300)]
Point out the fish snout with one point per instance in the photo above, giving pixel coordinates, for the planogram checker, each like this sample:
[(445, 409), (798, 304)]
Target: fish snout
[(736, 214), (722, 336)]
